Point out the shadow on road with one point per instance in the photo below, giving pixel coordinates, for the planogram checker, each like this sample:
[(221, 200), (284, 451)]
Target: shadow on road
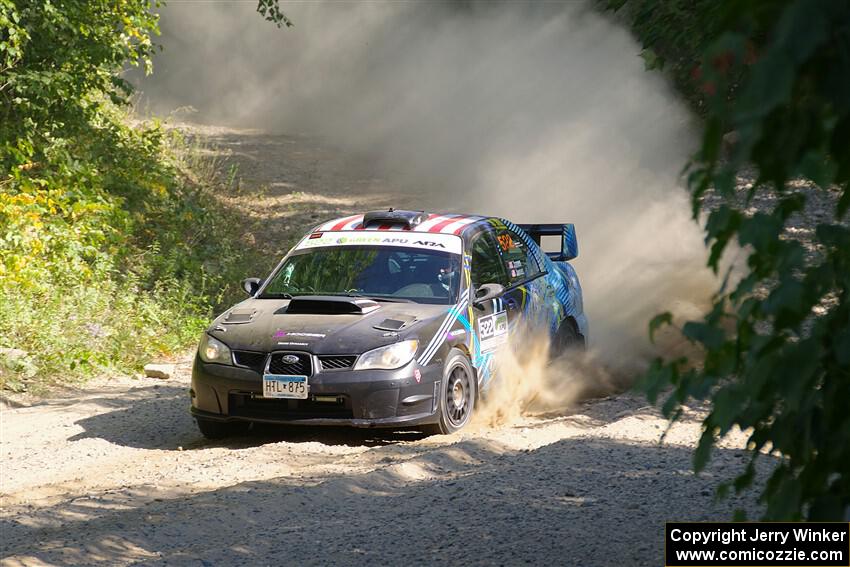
[(157, 417), (579, 502)]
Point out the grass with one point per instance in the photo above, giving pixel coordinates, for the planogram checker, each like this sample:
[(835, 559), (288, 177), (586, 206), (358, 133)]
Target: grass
[(121, 263)]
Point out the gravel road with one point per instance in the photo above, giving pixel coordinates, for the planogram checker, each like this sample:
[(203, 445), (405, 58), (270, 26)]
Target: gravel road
[(117, 473)]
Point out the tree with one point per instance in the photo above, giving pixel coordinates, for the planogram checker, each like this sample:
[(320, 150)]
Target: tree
[(774, 88), (110, 252)]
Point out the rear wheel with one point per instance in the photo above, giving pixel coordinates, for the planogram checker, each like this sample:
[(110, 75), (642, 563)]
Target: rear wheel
[(568, 340), (221, 429), (457, 394)]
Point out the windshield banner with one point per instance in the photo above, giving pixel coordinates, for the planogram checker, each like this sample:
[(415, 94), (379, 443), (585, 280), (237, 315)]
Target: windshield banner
[(407, 239)]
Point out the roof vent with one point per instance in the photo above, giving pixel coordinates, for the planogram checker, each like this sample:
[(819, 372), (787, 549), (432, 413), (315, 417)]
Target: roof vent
[(406, 218)]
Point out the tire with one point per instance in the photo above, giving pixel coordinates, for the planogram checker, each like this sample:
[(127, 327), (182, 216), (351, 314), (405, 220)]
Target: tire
[(568, 340), (221, 429), (458, 392)]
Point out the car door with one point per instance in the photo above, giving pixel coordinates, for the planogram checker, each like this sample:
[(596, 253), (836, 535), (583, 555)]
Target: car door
[(527, 293), (491, 319)]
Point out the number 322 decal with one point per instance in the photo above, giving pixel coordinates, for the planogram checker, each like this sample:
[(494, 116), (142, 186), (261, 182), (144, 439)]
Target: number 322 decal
[(493, 331)]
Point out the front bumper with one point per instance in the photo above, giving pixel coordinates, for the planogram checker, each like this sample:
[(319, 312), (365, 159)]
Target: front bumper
[(361, 398)]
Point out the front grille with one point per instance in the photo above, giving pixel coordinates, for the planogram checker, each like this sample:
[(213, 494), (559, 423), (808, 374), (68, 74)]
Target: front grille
[(253, 360), (252, 406), (337, 362), (302, 367)]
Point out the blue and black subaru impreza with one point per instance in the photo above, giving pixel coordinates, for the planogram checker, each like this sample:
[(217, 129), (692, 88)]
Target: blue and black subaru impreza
[(385, 319)]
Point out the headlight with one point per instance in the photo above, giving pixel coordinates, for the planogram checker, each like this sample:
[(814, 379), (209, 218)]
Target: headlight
[(213, 350), (389, 357)]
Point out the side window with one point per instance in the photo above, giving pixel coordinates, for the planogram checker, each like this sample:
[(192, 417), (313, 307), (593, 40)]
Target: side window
[(519, 263), (487, 264)]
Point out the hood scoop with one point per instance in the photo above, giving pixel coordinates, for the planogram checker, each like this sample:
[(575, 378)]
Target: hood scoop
[(330, 305), (395, 323), (236, 317)]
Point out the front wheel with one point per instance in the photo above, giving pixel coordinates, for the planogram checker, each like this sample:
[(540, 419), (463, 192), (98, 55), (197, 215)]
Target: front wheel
[(220, 429), (457, 393)]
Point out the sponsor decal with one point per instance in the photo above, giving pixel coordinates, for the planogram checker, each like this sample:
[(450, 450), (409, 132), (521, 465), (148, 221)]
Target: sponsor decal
[(506, 242), (431, 241), (493, 331), (417, 375), (292, 344), (280, 334), (456, 334)]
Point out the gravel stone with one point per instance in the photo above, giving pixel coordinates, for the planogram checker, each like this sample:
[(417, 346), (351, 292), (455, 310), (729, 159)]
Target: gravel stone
[(162, 371)]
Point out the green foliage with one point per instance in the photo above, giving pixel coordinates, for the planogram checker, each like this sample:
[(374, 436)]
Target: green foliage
[(109, 254), (270, 10), (776, 343), (673, 34)]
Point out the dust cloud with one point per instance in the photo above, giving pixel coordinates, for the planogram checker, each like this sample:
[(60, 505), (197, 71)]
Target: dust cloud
[(535, 384), (536, 112)]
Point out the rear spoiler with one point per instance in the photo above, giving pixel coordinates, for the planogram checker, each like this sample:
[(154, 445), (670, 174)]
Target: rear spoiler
[(567, 232)]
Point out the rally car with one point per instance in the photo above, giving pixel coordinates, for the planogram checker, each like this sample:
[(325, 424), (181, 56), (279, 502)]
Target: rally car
[(385, 319)]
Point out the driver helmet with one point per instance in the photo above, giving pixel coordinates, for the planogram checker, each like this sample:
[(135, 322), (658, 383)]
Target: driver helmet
[(447, 278)]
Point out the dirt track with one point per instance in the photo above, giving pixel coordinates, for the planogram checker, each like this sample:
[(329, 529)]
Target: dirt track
[(118, 474)]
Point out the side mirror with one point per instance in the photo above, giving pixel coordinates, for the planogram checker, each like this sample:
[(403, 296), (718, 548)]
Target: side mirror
[(251, 285), (487, 292)]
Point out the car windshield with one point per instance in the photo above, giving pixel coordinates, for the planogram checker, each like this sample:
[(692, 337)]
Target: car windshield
[(379, 272)]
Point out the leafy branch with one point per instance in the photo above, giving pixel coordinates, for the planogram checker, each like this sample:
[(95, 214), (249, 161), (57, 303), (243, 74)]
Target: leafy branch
[(270, 10), (774, 83)]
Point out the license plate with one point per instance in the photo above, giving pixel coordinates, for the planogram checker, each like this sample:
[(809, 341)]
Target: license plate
[(283, 386)]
